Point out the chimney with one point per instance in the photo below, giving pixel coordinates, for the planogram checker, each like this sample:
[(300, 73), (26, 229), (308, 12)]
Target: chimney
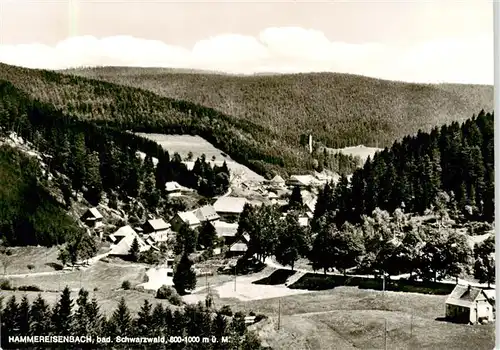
[(310, 143)]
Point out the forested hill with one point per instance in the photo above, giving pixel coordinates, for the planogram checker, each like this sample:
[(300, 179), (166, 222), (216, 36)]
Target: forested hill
[(140, 110), (338, 109), (449, 170)]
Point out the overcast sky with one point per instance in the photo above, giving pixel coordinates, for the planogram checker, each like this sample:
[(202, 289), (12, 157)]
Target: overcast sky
[(423, 41)]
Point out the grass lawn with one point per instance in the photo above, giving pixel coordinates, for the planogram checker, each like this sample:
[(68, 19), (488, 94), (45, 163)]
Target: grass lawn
[(40, 257), (348, 318), (104, 276)]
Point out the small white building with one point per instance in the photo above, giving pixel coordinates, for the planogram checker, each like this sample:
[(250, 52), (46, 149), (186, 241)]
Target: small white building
[(467, 304), (173, 188), (92, 218)]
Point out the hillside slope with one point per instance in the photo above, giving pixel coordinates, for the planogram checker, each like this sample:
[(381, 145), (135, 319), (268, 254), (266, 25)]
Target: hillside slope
[(143, 111), (339, 109)]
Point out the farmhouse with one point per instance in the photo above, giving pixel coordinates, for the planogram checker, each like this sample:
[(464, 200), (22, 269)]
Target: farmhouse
[(226, 231), (92, 218), (302, 181), (173, 188), (122, 241), (156, 231), (184, 218), (238, 248), (206, 213), (277, 181), (468, 304), (230, 208)]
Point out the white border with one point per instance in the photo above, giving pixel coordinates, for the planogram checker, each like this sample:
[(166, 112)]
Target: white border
[(496, 43)]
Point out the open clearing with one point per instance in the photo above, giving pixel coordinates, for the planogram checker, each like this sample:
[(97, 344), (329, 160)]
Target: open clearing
[(360, 151), (40, 258), (183, 144)]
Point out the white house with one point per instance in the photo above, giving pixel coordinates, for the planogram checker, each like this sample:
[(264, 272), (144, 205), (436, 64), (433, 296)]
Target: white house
[(226, 230), (206, 213), (467, 304), (122, 241), (173, 188), (92, 218)]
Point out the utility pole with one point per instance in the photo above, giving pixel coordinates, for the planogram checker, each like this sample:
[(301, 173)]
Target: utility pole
[(385, 335), (411, 329), (279, 313), (235, 278)]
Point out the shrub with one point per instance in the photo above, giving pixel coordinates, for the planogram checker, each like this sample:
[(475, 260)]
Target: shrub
[(169, 293), (260, 317), (5, 285), (226, 310), (29, 288), (126, 285)]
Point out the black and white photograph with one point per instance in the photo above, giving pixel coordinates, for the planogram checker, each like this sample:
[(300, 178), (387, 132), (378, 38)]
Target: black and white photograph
[(247, 175)]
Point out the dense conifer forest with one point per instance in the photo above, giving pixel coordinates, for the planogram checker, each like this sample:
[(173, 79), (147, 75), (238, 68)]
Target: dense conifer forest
[(83, 317), (338, 109), (452, 166)]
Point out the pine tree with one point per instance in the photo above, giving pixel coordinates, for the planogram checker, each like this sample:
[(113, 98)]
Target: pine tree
[(62, 317), (24, 319), (81, 321), (296, 201), (134, 250), (39, 316), (292, 241), (184, 276), (120, 322), (10, 319), (144, 320), (207, 236)]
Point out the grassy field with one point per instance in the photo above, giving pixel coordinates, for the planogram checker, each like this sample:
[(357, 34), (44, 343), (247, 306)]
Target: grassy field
[(104, 276), (183, 144), (349, 318), (41, 258)]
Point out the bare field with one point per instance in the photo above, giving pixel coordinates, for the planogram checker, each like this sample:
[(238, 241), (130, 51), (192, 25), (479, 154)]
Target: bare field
[(360, 151), (183, 144)]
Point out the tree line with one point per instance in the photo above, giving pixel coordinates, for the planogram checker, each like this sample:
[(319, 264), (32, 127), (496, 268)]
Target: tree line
[(83, 317)]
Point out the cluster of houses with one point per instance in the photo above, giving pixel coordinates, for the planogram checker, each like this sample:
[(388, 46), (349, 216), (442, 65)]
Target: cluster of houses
[(223, 215)]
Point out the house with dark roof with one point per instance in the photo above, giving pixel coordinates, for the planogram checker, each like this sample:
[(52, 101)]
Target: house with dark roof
[(229, 208), (92, 218), (467, 304)]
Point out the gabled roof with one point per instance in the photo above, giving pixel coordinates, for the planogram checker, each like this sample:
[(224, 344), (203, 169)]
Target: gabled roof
[(305, 180), (123, 232), (232, 205), (158, 224), (277, 180), (238, 247), (246, 237), (464, 296), (225, 229), (93, 213), (189, 218), (206, 213), (172, 186), (311, 204), (123, 247)]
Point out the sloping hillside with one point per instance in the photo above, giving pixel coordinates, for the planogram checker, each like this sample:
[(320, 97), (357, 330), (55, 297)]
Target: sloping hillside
[(339, 109)]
